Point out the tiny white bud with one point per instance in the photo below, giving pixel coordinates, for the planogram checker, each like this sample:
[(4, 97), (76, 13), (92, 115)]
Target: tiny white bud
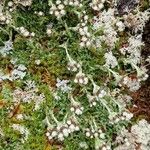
[(72, 109), (122, 118), (96, 134), (2, 18), (70, 3), (60, 135), (82, 44), (95, 7), (10, 9), (10, 3), (54, 133), (84, 39), (85, 28), (104, 148), (65, 2), (78, 112), (62, 12), (100, 6), (51, 12), (94, 103), (65, 132), (72, 127), (56, 13), (75, 80), (69, 122), (102, 135), (7, 21), (77, 128), (80, 5), (85, 80), (76, 3), (60, 6), (87, 134), (32, 34), (49, 137), (86, 17), (81, 81), (26, 33), (48, 31), (47, 134), (83, 24), (40, 13), (58, 2)]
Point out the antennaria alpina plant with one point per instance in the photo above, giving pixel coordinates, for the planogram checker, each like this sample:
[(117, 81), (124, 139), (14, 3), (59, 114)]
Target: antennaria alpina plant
[(67, 72)]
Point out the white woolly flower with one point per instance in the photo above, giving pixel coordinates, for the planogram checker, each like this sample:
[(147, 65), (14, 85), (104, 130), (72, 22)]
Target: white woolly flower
[(19, 72), (81, 78), (24, 3), (19, 116), (24, 131), (62, 85), (7, 48), (83, 145), (28, 95), (111, 60), (138, 137), (132, 84), (120, 26), (76, 107), (142, 132), (133, 49)]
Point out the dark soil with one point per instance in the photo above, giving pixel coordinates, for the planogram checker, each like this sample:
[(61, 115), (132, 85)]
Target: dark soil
[(141, 98), (125, 6)]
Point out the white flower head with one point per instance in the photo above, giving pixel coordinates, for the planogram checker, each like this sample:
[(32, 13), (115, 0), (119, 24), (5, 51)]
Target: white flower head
[(111, 60), (62, 85), (7, 48)]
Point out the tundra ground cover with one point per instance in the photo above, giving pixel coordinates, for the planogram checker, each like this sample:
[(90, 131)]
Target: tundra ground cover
[(67, 72)]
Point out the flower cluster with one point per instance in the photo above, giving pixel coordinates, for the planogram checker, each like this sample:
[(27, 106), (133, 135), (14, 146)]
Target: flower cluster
[(97, 5), (76, 107), (19, 72), (133, 49), (142, 133), (92, 100), (111, 60), (5, 18), (62, 129), (132, 84), (62, 85), (24, 131), (139, 136), (57, 9), (91, 133), (77, 3), (30, 94), (81, 78), (25, 32), (7, 48), (125, 116), (11, 6), (83, 30), (106, 20), (49, 29), (24, 3), (136, 22), (72, 64)]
